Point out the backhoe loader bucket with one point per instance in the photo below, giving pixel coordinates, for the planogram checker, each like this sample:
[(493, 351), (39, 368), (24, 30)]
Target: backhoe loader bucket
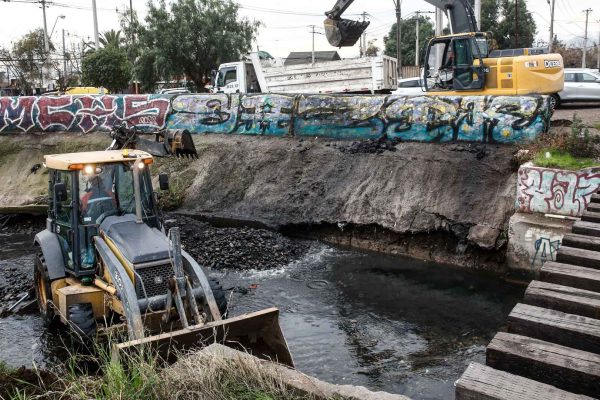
[(257, 333), (344, 32)]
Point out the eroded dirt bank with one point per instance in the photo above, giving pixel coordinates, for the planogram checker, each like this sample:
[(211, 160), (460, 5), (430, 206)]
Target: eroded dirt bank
[(443, 202)]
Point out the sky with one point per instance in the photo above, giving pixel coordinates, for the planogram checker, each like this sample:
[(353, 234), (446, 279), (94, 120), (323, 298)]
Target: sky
[(285, 24)]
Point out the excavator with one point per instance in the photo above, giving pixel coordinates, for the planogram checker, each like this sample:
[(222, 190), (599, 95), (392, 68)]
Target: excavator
[(105, 263), (460, 63)]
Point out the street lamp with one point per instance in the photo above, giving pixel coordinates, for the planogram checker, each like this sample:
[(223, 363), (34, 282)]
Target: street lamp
[(55, 21)]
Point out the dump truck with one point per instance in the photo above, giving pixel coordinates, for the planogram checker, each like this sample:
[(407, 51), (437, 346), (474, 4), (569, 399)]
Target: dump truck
[(460, 63), (261, 73), (105, 262)]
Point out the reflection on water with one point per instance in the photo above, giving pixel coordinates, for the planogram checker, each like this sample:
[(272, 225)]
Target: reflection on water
[(384, 322)]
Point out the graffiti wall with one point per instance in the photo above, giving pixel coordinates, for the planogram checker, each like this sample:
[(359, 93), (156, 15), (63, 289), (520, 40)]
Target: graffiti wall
[(484, 119), (552, 191), (81, 113)]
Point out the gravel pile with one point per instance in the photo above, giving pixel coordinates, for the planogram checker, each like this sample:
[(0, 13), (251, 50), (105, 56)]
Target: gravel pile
[(371, 146), (236, 248)]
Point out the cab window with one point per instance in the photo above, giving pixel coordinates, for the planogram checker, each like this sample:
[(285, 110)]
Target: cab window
[(226, 76)]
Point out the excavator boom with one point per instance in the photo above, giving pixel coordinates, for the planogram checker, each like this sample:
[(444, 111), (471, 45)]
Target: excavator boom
[(342, 32)]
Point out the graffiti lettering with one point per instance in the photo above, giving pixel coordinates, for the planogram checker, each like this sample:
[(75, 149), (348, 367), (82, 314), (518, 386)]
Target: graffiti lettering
[(484, 119), (552, 191), (16, 113)]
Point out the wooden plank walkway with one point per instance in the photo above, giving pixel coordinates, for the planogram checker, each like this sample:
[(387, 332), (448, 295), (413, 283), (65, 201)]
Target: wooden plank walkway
[(484, 383), (552, 347)]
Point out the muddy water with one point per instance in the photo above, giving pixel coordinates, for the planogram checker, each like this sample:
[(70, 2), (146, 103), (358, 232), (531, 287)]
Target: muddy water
[(384, 322)]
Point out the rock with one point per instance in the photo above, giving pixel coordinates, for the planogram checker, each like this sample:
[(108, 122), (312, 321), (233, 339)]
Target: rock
[(484, 236)]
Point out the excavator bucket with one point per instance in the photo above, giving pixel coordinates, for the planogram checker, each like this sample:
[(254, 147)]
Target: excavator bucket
[(257, 333), (181, 143), (344, 32)]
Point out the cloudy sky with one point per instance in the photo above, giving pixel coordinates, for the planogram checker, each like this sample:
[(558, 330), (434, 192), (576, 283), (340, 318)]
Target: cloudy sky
[(285, 23)]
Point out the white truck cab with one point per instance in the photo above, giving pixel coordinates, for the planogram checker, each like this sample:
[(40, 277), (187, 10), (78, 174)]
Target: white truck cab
[(236, 77)]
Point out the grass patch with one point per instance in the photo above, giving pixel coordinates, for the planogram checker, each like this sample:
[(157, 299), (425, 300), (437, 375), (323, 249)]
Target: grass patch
[(562, 160)]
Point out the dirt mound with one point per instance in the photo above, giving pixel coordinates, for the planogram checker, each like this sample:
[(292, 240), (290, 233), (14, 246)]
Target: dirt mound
[(236, 248), (371, 146)]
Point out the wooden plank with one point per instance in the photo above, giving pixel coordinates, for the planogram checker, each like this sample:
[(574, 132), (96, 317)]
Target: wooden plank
[(563, 367), (563, 298), (571, 275), (586, 228), (571, 330), (581, 241), (590, 216), (479, 382), (594, 207), (581, 257)]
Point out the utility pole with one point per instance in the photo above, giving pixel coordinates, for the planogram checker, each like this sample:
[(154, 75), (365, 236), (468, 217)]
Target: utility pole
[(598, 48), (551, 42), (585, 37), (398, 5), (417, 35), (64, 60), (95, 12), (313, 43), (363, 39), (516, 24), (46, 38), (478, 13)]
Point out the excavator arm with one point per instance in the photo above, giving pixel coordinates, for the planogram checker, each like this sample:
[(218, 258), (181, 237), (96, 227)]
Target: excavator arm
[(167, 142), (342, 32)]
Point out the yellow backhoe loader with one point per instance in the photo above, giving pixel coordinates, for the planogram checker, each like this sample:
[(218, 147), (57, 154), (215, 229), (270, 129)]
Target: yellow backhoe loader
[(106, 261)]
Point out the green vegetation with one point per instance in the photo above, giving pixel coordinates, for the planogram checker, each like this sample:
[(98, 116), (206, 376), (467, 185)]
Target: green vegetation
[(559, 159), (203, 376), (574, 149), (106, 67), (189, 37)]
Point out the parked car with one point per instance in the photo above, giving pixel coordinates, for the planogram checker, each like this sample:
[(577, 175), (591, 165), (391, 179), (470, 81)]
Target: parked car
[(174, 91), (581, 84), (409, 87)]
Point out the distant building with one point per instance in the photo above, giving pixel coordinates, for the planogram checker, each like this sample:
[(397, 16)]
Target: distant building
[(305, 57)]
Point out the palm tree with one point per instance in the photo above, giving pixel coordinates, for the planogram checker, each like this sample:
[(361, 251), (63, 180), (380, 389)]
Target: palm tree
[(111, 38)]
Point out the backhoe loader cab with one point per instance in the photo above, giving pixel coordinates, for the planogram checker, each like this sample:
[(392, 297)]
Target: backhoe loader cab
[(105, 261)]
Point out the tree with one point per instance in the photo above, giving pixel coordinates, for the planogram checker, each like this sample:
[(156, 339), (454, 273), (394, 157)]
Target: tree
[(28, 60), (489, 15), (506, 34), (191, 38), (372, 49), (409, 27), (111, 38), (107, 67)]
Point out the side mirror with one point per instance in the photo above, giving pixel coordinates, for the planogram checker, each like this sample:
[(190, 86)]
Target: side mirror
[(163, 181), (60, 192)]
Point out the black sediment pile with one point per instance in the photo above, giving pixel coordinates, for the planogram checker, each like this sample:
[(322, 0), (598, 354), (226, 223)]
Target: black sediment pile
[(371, 146), (236, 248)]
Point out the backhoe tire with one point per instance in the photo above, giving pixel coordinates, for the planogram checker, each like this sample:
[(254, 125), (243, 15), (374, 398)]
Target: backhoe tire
[(220, 296), (43, 292), (81, 321), (554, 102)]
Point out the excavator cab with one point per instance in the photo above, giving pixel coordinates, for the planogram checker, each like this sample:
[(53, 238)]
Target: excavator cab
[(460, 65)]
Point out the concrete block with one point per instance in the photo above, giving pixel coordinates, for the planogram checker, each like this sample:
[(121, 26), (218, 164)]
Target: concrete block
[(534, 239)]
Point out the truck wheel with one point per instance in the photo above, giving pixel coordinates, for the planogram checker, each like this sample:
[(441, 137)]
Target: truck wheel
[(43, 293), (81, 320), (220, 295)]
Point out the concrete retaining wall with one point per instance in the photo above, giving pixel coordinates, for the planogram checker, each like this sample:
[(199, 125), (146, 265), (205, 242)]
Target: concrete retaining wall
[(486, 119), (555, 191)]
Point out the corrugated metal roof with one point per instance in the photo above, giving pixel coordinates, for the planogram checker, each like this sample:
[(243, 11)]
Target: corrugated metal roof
[(305, 57)]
